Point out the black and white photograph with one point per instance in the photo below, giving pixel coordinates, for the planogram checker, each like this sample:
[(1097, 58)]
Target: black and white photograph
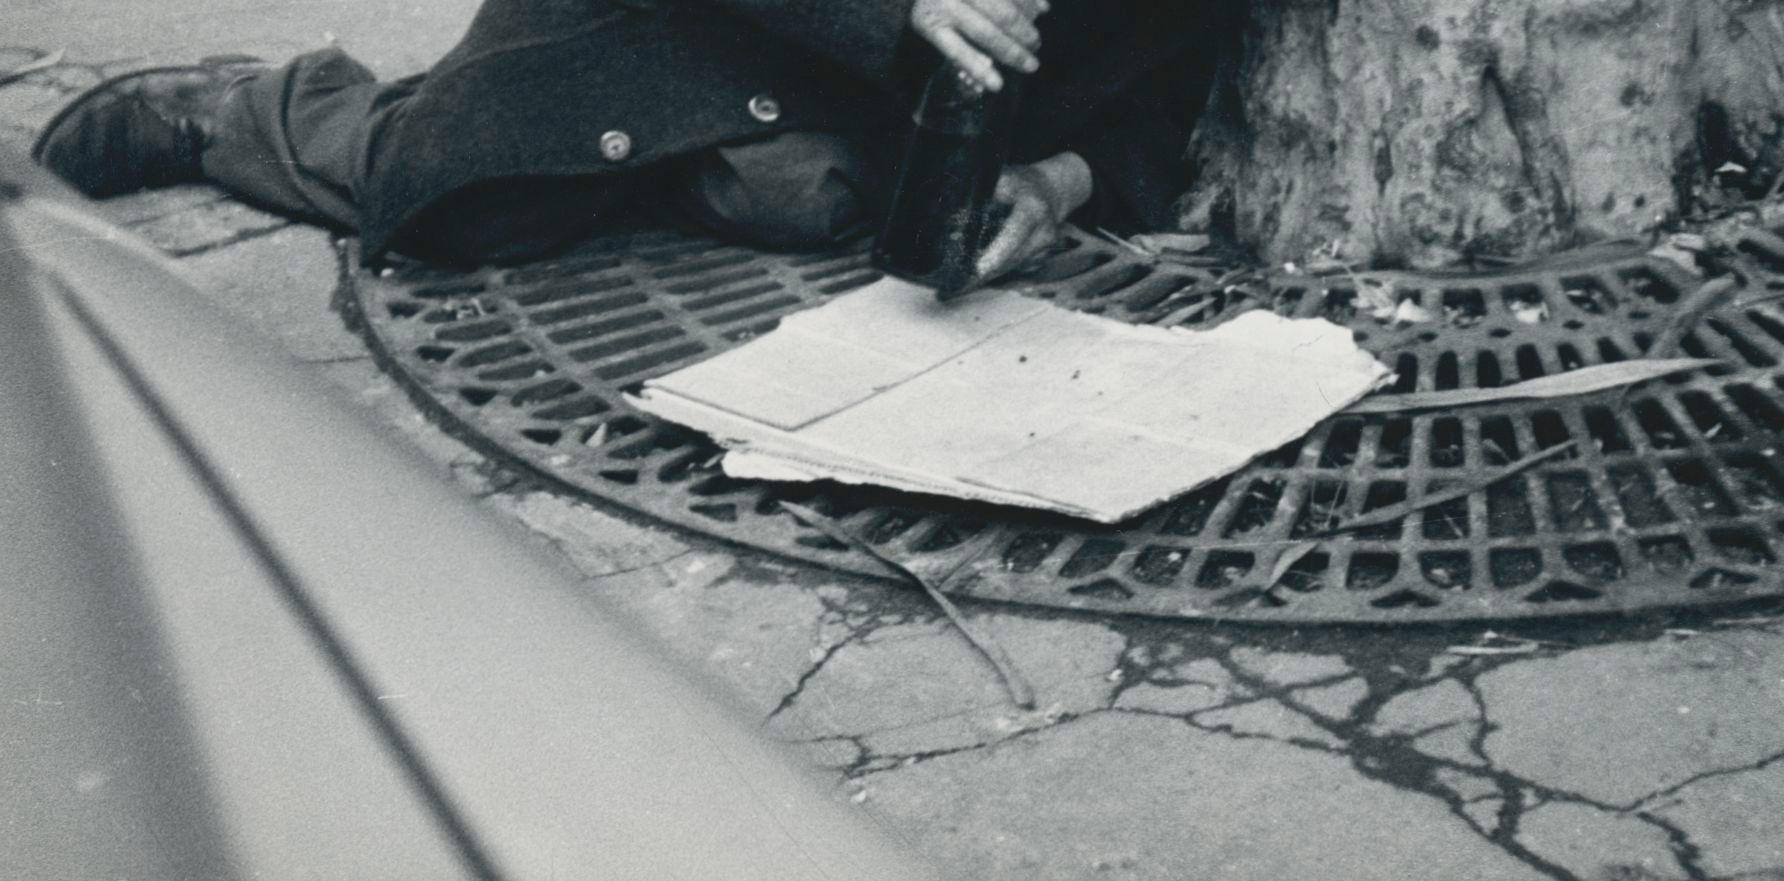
[(946, 440)]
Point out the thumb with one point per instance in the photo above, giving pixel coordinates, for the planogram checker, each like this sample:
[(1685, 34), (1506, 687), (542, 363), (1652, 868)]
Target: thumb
[(1010, 236)]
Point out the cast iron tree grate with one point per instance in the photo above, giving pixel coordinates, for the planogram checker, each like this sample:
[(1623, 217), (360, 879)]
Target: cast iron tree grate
[(1670, 493)]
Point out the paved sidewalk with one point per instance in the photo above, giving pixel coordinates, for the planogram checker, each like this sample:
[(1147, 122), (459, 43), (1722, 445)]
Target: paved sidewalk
[(1647, 749)]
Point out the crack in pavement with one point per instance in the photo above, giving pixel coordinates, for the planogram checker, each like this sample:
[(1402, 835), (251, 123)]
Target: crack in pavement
[(1491, 801)]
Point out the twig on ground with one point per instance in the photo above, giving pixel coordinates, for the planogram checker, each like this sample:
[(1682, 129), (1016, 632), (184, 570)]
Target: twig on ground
[(1712, 294), (1019, 689), (1287, 560), (1392, 513), (43, 63)]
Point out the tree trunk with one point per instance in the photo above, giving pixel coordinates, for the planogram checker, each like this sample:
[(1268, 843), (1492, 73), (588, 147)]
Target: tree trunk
[(1421, 132)]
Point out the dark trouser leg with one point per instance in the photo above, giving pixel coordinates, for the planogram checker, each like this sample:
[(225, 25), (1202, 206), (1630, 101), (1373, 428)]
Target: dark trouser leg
[(294, 138), (792, 190), (300, 139)]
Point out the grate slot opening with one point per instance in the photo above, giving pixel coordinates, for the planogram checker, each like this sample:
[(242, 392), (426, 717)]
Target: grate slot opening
[(1406, 373), (1308, 574), (1606, 432), (571, 410), (1756, 406), (1642, 282), (1662, 433), (1639, 497), (1749, 352), (1224, 569), (1499, 441), (1371, 570), (1447, 521), (560, 293), (1342, 442), (1667, 555), (1743, 546), (1449, 372), (1509, 513), (1588, 294), (1486, 370), (1572, 503), (1463, 307), (1382, 494), (1190, 516), (1159, 566), (1257, 507), (1754, 481), (493, 354), (597, 329), (1448, 570), (1447, 449), (1698, 490), (1529, 363), (1395, 448), (1767, 323), (1514, 567), (1093, 556), (1712, 424), (1322, 510), (1563, 592), (1598, 561)]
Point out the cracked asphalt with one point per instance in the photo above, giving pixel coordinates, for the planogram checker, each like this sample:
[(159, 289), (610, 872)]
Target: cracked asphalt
[(1613, 750)]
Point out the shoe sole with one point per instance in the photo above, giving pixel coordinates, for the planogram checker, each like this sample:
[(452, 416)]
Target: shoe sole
[(103, 86)]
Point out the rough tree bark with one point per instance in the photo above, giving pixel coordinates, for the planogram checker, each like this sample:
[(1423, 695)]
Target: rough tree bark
[(1421, 132)]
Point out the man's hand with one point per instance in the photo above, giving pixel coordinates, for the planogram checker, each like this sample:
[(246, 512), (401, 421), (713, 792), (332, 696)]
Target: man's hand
[(1040, 197), (976, 33)]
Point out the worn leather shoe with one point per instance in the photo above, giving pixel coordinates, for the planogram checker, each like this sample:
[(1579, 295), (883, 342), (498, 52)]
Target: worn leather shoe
[(138, 131)]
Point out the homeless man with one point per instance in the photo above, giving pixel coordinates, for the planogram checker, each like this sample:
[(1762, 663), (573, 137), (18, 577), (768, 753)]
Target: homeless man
[(768, 122)]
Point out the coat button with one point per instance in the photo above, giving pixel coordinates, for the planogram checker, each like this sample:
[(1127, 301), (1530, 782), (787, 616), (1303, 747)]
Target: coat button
[(616, 146), (764, 108)]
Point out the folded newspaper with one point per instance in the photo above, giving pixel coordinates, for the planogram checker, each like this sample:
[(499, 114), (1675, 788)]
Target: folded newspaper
[(1008, 399)]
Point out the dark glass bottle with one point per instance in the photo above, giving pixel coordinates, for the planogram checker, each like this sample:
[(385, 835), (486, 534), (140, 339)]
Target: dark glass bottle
[(939, 219)]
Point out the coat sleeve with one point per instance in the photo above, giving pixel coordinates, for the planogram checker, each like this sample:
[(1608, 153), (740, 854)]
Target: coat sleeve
[(864, 36)]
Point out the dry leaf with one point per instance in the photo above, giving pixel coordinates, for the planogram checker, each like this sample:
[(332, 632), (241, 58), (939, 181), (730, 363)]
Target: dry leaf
[(1410, 312), (1188, 243), (1682, 257), (1377, 298), (1524, 649), (597, 438), (1585, 380), (1530, 313)]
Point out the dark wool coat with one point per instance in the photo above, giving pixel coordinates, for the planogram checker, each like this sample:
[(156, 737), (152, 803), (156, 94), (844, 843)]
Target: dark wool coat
[(597, 87)]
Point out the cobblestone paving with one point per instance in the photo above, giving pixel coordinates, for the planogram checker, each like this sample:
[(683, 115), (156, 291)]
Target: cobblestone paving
[(1638, 749)]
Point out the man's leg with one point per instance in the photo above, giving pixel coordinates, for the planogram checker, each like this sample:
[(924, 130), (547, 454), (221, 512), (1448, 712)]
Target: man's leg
[(301, 139), (793, 190), (294, 139)]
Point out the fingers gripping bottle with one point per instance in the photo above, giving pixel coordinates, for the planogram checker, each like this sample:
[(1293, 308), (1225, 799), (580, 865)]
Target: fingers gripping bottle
[(939, 220)]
